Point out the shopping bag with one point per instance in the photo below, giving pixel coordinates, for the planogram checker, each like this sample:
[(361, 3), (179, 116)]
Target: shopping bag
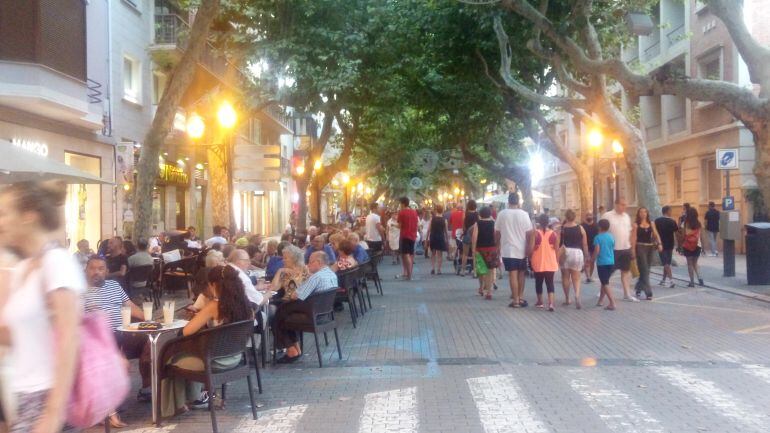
[(634, 269), (481, 265)]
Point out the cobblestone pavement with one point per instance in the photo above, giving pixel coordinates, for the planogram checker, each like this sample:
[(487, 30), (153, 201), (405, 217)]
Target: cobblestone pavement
[(433, 357)]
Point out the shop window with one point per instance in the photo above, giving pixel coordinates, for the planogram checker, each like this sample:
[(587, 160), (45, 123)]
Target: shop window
[(132, 83), (711, 180), (83, 205), (159, 81)]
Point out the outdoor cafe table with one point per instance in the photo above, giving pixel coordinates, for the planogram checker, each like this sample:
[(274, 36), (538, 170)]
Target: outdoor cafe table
[(154, 335)]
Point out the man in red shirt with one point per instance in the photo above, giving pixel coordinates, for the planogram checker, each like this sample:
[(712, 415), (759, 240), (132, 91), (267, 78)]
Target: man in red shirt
[(407, 224)]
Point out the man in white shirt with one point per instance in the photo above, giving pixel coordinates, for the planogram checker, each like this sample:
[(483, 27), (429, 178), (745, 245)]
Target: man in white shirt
[(239, 259), (513, 228), (374, 229), (220, 237), (620, 229)]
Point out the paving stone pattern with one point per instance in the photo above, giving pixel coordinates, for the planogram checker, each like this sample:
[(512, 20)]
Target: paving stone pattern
[(433, 357)]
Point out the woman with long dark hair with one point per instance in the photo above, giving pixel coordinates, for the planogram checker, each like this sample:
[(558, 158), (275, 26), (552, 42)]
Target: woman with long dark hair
[(228, 304), (575, 242), (644, 242), (691, 244)]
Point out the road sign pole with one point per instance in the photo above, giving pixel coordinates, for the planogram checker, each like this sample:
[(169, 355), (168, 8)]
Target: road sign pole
[(728, 245)]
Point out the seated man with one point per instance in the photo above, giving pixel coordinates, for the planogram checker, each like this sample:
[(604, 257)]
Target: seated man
[(359, 252), (107, 296), (321, 280), (318, 243), (142, 257), (239, 259)]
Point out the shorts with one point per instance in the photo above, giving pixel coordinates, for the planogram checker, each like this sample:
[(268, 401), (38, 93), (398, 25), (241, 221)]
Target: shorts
[(666, 257), (688, 253), (623, 260), (375, 246), (605, 272), (573, 260), (512, 264), (406, 246)]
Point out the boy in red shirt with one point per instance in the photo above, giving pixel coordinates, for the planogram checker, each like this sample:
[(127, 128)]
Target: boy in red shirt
[(407, 224)]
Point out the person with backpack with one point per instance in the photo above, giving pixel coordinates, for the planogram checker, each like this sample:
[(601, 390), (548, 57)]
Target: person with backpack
[(543, 259), (691, 244)]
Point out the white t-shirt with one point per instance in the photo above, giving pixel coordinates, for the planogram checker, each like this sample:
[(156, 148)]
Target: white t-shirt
[(26, 316), (513, 225), (215, 240), (620, 229), (372, 234)]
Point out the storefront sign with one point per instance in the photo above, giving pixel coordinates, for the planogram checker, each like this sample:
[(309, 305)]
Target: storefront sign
[(171, 174), (31, 146)]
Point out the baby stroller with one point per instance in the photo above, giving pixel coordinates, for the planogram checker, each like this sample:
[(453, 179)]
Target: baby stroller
[(459, 254)]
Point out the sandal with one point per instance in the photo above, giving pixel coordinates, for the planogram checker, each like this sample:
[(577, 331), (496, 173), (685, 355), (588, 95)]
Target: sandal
[(116, 422), (539, 305)]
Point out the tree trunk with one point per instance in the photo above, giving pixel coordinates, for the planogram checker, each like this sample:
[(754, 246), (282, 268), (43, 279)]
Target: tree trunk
[(761, 134), (314, 203), (182, 76), (220, 188), (302, 184), (585, 187), (523, 181)]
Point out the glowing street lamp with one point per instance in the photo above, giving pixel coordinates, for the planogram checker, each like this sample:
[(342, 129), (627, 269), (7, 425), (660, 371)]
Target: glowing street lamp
[(595, 139), (195, 126), (345, 178), (300, 170), (317, 165), (617, 148), (226, 115)]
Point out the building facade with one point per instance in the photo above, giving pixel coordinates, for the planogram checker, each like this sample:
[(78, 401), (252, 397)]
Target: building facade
[(53, 81), (682, 136)]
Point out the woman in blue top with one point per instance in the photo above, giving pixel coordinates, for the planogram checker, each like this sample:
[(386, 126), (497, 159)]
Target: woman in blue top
[(604, 246)]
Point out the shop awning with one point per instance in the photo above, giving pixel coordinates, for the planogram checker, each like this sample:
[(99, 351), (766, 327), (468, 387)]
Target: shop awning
[(20, 165)]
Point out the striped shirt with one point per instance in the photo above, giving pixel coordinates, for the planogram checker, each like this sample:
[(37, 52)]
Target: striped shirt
[(108, 298), (322, 281)]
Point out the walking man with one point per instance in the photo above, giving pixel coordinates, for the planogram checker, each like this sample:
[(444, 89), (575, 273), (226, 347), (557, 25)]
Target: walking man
[(667, 228), (407, 224), (374, 229), (712, 227), (513, 228), (620, 228)]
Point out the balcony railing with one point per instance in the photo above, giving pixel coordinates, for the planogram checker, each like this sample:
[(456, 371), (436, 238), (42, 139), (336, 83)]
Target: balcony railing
[(171, 29), (279, 115), (676, 35), (651, 52)]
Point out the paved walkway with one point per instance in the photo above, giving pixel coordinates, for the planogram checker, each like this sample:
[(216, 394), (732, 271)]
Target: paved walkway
[(433, 357)]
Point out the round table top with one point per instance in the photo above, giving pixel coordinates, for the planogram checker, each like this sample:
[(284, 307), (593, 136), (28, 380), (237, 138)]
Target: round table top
[(134, 327)]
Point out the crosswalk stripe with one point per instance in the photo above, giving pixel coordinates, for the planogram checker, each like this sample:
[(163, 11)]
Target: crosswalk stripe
[(755, 370), (392, 411), (502, 406), (708, 393), (279, 420), (614, 407)]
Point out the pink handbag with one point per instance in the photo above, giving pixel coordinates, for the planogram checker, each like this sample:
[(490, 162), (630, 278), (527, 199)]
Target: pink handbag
[(101, 379)]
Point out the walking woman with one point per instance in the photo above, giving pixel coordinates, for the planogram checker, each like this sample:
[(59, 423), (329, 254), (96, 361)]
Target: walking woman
[(471, 216), (691, 244), (437, 239), (45, 289), (644, 243), (483, 243), (394, 234), (574, 241), (543, 260)]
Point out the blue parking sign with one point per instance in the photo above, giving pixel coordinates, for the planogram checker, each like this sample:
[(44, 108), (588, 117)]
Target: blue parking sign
[(728, 203)]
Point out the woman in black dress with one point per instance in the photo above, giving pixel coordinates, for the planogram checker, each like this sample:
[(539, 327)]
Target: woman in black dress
[(437, 239)]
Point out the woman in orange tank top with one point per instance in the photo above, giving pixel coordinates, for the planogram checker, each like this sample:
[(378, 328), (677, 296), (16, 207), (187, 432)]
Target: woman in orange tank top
[(544, 260)]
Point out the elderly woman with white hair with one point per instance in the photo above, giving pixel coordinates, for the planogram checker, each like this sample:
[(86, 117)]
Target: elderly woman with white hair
[(293, 273)]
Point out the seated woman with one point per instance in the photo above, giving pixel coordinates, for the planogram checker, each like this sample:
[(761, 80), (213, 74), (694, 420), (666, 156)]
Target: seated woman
[(345, 259), (214, 258), (275, 262), (228, 305), (293, 273)]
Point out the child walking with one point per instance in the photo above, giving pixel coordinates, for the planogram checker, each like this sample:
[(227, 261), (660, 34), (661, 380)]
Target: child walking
[(604, 246)]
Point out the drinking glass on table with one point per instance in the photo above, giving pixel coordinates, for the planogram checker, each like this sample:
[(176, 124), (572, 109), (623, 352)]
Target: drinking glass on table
[(168, 312), (147, 308), (125, 315)]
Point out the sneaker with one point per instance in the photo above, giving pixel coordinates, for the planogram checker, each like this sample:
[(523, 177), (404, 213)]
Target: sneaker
[(700, 282), (662, 283), (631, 299), (672, 285), (202, 402), (691, 284), (524, 304)]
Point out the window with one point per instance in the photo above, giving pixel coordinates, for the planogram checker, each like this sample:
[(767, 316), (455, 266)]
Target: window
[(710, 65), (159, 81), (676, 182), (711, 180), (132, 83)]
